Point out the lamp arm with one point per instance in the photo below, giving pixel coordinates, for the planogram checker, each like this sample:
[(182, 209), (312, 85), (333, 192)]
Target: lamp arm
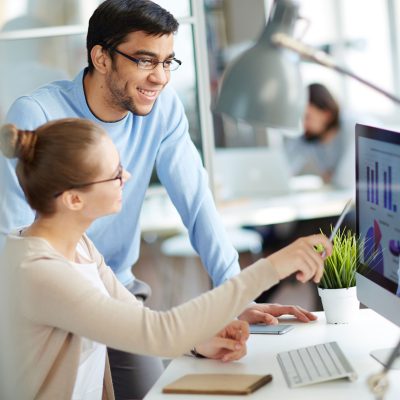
[(322, 58)]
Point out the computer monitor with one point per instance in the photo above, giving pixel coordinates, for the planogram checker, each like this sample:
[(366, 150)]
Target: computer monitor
[(378, 222)]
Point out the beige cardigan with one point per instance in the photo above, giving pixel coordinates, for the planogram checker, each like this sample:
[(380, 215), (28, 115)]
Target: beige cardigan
[(48, 307)]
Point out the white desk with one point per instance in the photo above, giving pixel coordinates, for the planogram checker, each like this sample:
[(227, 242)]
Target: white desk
[(159, 215), (369, 331)]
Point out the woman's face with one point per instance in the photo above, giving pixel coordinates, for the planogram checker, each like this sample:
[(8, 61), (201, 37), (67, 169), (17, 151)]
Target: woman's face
[(316, 121), (105, 198)]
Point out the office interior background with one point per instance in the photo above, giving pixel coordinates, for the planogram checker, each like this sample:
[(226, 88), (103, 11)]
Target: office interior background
[(43, 40)]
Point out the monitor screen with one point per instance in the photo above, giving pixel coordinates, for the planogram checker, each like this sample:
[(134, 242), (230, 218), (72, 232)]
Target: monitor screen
[(378, 219)]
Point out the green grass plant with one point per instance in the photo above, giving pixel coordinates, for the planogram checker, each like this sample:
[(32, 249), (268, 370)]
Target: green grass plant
[(341, 266)]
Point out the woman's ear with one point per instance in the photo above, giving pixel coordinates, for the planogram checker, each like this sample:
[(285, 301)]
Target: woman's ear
[(100, 58), (72, 200)]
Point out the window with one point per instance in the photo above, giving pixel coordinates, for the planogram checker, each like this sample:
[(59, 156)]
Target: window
[(358, 40)]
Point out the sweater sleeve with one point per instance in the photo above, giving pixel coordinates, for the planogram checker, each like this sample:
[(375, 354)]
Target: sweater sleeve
[(53, 294), (179, 166)]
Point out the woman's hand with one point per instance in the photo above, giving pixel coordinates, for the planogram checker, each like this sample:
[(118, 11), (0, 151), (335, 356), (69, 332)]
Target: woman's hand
[(302, 257), (227, 345)]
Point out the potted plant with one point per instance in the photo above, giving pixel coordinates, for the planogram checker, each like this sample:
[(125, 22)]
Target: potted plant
[(337, 287)]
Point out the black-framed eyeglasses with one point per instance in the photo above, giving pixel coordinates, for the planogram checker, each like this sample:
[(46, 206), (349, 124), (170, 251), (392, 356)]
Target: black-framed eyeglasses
[(148, 63), (119, 176)]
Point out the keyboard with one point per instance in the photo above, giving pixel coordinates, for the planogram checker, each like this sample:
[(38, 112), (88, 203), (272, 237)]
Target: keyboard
[(314, 364)]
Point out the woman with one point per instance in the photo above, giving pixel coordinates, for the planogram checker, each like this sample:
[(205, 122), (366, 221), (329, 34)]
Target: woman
[(64, 304), (320, 149)]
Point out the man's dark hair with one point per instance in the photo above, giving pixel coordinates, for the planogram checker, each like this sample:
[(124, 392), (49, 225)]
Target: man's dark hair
[(320, 97), (113, 20)]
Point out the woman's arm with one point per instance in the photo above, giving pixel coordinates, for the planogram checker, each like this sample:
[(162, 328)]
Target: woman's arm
[(54, 294)]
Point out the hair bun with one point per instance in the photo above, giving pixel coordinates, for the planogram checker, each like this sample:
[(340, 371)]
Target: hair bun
[(17, 143)]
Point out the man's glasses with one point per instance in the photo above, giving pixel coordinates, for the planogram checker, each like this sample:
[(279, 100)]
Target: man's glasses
[(147, 63), (119, 177)]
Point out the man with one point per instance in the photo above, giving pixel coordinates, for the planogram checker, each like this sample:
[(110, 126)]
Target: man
[(124, 89)]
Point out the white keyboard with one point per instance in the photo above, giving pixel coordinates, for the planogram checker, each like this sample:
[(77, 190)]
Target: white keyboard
[(314, 364)]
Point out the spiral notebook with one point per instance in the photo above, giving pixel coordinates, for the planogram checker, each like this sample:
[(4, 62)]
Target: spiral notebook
[(233, 384)]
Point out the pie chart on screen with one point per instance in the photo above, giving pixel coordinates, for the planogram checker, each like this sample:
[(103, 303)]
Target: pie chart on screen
[(394, 247), (373, 248)]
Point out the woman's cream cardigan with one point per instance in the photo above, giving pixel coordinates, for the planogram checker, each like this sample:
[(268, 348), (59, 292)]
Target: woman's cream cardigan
[(48, 307)]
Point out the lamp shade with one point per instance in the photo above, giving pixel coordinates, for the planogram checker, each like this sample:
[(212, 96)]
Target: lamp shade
[(263, 85)]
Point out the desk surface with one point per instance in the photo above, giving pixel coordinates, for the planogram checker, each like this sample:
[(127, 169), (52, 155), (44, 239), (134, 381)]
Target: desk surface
[(159, 215), (367, 332)]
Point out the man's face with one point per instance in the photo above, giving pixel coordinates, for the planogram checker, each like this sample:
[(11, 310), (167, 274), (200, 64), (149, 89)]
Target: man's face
[(316, 122), (133, 89)]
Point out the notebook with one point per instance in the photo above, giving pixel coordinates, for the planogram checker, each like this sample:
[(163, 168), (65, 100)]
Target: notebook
[(234, 384)]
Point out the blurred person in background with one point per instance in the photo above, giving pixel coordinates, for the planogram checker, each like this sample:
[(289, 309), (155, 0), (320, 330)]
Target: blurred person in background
[(326, 146)]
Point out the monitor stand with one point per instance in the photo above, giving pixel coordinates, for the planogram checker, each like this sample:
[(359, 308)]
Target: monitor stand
[(382, 356)]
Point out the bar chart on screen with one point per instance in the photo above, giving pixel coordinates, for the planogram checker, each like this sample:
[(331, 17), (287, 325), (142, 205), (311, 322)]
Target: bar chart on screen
[(380, 187)]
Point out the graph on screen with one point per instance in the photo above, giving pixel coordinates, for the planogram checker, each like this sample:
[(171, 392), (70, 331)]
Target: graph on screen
[(379, 202)]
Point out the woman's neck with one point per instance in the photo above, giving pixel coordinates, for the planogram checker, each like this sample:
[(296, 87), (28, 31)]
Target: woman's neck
[(61, 231), (329, 135)]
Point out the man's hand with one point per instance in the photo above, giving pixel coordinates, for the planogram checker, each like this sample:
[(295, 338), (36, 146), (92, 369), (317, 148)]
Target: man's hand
[(268, 313), (227, 345)]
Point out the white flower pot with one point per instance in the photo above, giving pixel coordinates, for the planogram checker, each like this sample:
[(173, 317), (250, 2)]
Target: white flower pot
[(340, 305)]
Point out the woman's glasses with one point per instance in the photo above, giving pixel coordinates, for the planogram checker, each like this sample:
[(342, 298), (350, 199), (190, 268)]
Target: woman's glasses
[(119, 177)]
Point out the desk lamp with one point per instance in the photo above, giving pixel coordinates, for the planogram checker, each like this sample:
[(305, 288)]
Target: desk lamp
[(264, 86)]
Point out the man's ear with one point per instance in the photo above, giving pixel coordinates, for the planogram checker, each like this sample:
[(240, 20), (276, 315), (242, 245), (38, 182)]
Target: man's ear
[(100, 59), (72, 200)]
